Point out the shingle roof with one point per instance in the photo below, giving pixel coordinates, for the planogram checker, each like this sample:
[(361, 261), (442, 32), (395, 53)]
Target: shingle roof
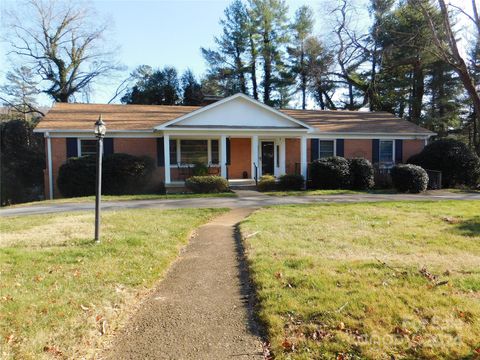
[(344, 121), (80, 117)]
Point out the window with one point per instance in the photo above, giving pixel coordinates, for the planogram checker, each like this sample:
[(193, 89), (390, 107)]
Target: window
[(386, 151), (192, 151), (88, 147), (214, 149), (326, 148), (173, 152)]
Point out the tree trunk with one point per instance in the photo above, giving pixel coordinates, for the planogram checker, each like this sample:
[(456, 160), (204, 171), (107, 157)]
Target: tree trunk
[(418, 90), (253, 67)]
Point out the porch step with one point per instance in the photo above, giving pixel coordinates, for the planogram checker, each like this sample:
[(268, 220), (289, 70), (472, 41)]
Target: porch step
[(242, 184)]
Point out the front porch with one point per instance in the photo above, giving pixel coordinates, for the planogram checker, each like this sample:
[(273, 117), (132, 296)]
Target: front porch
[(238, 158)]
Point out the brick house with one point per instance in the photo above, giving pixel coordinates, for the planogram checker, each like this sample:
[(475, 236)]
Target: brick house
[(238, 137)]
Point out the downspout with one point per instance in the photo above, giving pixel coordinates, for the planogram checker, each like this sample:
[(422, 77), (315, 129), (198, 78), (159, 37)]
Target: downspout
[(50, 170)]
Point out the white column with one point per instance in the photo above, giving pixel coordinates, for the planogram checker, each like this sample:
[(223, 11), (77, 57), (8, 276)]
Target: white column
[(50, 170), (303, 156), (254, 155), (223, 156), (282, 157), (166, 157)]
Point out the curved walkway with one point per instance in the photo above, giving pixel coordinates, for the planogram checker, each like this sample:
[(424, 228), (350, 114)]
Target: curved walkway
[(203, 307), (246, 199)]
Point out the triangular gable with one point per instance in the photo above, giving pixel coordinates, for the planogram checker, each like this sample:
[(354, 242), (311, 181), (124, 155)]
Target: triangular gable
[(236, 111)]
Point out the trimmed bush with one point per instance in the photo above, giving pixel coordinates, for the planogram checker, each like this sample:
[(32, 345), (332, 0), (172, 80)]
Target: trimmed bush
[(458, 163), (291, 182), (330, 173), (207, 184), (121, 174), (409, 178), (267, 183), (362, 174)]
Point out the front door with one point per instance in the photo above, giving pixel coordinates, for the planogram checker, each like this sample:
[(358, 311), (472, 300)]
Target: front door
[(268, 157)]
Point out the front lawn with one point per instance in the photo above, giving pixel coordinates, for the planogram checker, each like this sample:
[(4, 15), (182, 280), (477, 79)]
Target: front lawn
[(59, 292), (129, 197), (397, 280)]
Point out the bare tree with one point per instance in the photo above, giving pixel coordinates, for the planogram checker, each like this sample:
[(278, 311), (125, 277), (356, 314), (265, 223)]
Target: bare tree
[(446, 48), (20, 91), (62, 42)]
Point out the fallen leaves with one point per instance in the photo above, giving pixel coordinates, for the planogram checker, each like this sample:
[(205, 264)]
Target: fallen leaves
[(53, 350), (288, 345)]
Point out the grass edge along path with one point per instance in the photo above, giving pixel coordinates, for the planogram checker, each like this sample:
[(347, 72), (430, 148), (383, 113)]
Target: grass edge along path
[(368, 280), (60, 294)]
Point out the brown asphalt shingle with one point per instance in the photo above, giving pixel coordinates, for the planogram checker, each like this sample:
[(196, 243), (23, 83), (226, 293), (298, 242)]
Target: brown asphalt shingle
[(145, 117)]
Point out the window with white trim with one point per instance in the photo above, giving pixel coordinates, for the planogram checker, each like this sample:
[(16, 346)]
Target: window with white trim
[(386, 151), (326, 148), (88, 147)]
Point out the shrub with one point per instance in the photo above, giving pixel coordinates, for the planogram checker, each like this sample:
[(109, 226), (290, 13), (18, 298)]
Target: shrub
[(330, 173), (291, 182), (207, 184), (267, 183), (200, 169), (409, 178), (362, 175), (459, 164), (121, 174)]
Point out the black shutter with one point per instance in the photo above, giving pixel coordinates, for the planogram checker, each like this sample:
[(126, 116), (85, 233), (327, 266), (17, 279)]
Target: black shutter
[(72, 147), (228, 151), (340, 148), (375, 150), (398, 151), (314, 150), (160, 152), (107, 146)]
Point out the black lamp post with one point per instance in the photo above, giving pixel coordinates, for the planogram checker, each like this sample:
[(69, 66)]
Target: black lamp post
[(100, 130)]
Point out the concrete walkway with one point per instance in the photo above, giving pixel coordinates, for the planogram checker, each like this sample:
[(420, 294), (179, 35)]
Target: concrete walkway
[(202, 309), (246, 199)]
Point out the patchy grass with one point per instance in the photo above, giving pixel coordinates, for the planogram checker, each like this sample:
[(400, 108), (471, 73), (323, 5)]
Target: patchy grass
[(368, 281), (128, 197), (59, 292)]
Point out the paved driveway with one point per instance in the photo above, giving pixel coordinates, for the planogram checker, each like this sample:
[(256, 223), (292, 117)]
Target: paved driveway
[(246, 199)]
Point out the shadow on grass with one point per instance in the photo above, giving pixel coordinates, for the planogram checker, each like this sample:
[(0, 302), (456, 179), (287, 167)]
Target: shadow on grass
[(469, 227)]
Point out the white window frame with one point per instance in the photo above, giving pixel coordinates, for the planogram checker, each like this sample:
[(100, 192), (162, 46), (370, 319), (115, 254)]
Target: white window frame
[(79, 145), (392, 160), (334, 146), (179, 154)]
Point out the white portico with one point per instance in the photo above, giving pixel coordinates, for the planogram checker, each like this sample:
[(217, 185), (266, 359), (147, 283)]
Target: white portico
[(223, 133)]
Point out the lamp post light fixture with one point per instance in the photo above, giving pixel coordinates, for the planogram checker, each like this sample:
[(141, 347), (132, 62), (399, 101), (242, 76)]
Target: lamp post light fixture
[(100, 130)]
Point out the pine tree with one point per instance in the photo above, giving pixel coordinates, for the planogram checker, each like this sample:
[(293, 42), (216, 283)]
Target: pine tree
[(302, 28), (192, 91)]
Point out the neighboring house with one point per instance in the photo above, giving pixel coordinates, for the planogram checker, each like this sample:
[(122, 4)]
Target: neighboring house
[(238, 137)]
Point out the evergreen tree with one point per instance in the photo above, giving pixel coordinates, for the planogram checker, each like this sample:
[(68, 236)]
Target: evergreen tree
[(227, 63), (270, 20), (192, 91), (302, 28)]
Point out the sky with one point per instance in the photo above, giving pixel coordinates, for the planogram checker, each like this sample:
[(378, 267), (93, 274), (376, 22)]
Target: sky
[(166, 32), (156, 33)]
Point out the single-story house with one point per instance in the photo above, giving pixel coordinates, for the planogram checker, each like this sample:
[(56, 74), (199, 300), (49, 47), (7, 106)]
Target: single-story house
[(238, 137)]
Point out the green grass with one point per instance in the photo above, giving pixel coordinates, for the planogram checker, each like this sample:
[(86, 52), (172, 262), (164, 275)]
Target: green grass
[(129, 197), (345, 281), (57, 288)]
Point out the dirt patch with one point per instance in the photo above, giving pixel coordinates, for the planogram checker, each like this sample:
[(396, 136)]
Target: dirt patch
[(202, 309)]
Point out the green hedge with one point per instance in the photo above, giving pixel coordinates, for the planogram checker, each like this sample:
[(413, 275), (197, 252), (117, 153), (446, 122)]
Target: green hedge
[(457, 162), (207, 184), (362, 174), (330, 173), (409, 178), (291, 182), (122, 174)]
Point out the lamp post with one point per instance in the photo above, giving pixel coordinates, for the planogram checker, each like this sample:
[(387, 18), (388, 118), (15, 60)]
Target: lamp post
[(100, 130)]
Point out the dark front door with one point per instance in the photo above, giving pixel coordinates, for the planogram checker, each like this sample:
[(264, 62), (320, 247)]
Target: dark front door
[(267, 157)]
